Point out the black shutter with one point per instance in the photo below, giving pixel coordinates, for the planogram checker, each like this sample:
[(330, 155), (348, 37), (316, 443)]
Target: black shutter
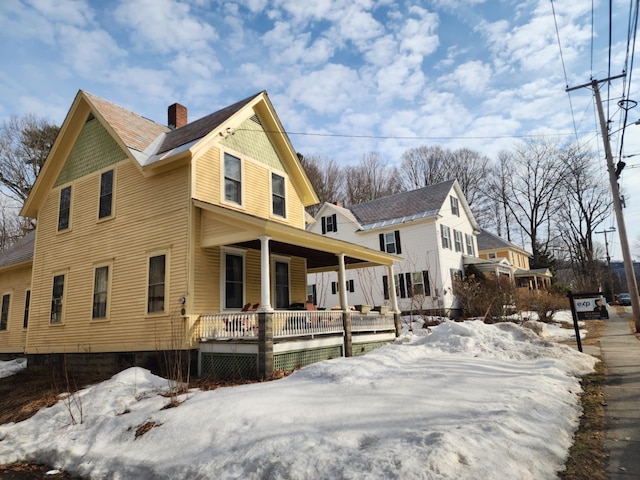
[(334, 288), (350, 286), (324, 225), (385, 287), (398, 248), (335, 222), (409, 286), (382, 245), (427, 286), (403, 293)]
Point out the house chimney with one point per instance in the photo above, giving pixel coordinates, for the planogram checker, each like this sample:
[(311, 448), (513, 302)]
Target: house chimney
[(177, 115), (337, 203)]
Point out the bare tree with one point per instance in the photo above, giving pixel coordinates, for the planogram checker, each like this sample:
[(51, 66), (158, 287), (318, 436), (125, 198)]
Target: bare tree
[(326, 177), (372, 178), (496, 191), (25, 143), (532, 192), (585, 204)]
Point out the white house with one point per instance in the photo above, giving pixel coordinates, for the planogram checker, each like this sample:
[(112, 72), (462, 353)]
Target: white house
[(431, 228)]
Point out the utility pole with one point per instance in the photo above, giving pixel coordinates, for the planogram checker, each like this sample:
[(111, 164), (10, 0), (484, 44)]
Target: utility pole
[(617, 206), (606, 247)]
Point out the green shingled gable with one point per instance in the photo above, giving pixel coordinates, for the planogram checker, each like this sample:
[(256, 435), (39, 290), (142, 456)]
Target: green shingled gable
[(94, 149), (251, 139)]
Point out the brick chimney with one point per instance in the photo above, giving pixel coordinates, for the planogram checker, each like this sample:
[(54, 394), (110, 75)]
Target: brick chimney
[(177, 116)]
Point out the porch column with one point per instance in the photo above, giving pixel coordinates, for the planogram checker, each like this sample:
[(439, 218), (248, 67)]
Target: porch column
[(344, 304), (265, 276), (394, 300)]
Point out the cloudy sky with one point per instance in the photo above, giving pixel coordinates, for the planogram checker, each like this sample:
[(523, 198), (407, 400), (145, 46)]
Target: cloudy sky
[(347, 77)]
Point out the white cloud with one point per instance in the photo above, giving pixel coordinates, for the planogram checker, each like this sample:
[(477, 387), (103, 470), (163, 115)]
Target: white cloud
[(289, 49), (164, 26), (471, 77), (72, 12), (90, 53), (418, 35)]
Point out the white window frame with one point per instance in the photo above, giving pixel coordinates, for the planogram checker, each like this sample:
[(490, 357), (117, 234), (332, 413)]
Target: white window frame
[(113, 194), (4, 316), (68, 227), (471, 250), (223, 179), (455, 206), (390, 246), (445, 236), (283, 196), (167, 276), (109, 266), (457, 241), (224, 252), (329, 223), (65, 286)]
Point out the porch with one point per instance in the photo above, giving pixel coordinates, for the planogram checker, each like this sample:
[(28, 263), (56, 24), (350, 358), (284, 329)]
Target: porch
[(255, 344)]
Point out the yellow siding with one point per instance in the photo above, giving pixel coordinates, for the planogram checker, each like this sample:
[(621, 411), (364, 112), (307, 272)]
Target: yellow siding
[(256, 186), (15, 282), (298, 280), (150, 216)]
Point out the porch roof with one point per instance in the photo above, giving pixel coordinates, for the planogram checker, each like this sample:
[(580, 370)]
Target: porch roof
[(224, 226)]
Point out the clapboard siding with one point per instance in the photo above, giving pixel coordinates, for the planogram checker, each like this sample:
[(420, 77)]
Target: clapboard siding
[(15, 282), (151, 216)]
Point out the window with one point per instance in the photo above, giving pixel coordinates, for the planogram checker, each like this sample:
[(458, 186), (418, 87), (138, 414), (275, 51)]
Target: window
[(334, 288), (385, 287), (311, 294), (56, 299), (470, 249), (27, 303), (277, 193), (232, 179), (329, 224), (491, 255), (350, 286), (106, 194), (445, 234), (282, 284), (400, 285), (417, 287), (156, 290), (457, 238), (4, 314), (456, 275), (100, 287), (455, 210), (390, 242), (64, 209), (233, 281)]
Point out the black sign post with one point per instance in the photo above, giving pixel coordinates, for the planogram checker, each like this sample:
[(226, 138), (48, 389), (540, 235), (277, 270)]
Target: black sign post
[(574, 314)]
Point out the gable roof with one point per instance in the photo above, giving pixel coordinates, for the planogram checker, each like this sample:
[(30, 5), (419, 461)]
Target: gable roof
[(154, 147), (491, 241), (19, 252)]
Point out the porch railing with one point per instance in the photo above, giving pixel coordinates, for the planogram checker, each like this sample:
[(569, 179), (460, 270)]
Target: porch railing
[(289, 323)]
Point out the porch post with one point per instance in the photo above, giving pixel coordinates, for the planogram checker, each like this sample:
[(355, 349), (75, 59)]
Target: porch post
[(394, 300), (265, 288), (344, 304), (265, 345)]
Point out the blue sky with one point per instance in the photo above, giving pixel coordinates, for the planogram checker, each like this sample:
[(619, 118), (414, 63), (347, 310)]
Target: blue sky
[(377, 75)]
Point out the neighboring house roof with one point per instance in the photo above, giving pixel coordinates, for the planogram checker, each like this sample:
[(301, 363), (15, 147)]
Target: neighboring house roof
[(536, 272), (419, 203), (19, 252), (490, 241)]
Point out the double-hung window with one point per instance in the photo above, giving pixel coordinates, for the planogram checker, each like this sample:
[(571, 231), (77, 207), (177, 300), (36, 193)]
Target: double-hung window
[(457, 238), (233, 281), (64, 211), (455, 209), (4, 314), (330, 223), (106, 195), (57, 295), (156, 285), (445, 235), (100, 291), (232, 179), (27, 304), (278, 195), (282, 284), (470, 248), (390, 242)]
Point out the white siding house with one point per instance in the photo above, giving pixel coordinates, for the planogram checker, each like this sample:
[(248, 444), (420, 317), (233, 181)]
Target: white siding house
[(431, 228)]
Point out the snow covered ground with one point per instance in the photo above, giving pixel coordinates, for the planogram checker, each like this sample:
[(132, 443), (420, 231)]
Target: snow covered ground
[(467, 401)]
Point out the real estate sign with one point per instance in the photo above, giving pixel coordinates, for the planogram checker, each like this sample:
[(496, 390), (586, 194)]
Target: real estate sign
[(591, 307)]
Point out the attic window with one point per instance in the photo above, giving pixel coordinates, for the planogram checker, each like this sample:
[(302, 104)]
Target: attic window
[(255, 119), (89, 118)]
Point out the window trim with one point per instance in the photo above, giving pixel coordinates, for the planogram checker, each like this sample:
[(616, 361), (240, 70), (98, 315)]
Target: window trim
[(455, 205), (167, 276), (68, 210), (223, 277), (471, 250), (445, 234), (109, 266), (458, 246), (287, 261), (112, 194), (27, 307), (4, 315), (223, 179), (65, 275), (274, 195)]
